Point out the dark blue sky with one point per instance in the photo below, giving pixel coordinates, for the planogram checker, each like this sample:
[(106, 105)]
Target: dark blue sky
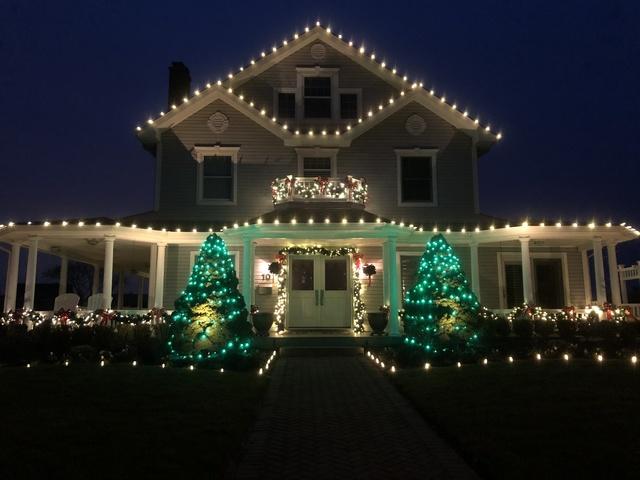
[(559, 78)]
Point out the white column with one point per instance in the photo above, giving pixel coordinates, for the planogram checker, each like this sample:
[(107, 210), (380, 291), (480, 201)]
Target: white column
[(140, 292), (11, 287), (586, 278), (247, 270), (107, 274), (159, 288), (527, 284), (120, 289), (96, 280), (64, 269), (153, 260), (614, 279), (475, 270), (392, 289), (623, 286), (601, 289), (30, 282)]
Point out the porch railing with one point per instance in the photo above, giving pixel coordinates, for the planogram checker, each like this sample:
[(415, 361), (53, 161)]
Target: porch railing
[(319, 189)]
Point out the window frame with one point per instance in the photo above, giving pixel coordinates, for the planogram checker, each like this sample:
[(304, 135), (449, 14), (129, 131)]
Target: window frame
[(316, 152), (304, 72), (199, 153), (516, 258), (276, 101), (350, 91), (418, 152)]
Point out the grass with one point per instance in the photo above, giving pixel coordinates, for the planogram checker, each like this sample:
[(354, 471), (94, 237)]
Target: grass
[(530, 420), (123, 422)]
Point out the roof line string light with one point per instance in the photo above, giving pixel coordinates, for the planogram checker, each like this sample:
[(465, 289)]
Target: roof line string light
[(370, 57)]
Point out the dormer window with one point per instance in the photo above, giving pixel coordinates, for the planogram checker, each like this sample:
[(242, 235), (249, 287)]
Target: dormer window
[(317, 97), (286, 104), (348, 106)]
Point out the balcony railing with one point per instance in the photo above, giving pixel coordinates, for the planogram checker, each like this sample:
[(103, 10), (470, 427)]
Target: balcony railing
[(319, 189)]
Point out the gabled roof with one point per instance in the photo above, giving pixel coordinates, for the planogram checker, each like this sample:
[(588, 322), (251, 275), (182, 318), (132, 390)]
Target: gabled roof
[(407, 92)]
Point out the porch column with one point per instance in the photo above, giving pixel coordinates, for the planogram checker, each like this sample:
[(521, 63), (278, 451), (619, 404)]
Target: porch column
[(614, 278), (30, 281), (586, 278), (11, 287), (159, 280), (120, 289), (391, 266), (601, 289), (475, 270), (153, 259), (527, 285), (64, 269), (140, 291), (623, 286), (248, 250), (96, 280), (107, 274)]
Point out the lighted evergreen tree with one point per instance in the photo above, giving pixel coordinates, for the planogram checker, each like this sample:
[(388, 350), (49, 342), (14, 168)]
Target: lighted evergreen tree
[(210, 316), (441, 310)]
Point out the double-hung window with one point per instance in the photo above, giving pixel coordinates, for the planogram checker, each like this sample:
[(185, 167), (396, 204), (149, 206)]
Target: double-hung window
[(416, 177), (217, 174), (317, 97)]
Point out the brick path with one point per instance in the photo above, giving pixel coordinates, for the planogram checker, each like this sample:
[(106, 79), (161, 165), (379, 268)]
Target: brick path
[(338, 417)]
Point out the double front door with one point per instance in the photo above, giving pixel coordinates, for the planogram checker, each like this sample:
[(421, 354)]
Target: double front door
[(319, 292)]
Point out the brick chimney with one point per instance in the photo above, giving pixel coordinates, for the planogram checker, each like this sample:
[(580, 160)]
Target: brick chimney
[(179, 83)]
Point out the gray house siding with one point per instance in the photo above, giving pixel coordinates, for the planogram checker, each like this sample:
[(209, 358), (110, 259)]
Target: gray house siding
[(373, 156), (262, 157)]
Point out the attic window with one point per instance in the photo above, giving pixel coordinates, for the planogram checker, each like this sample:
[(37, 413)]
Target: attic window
[(348, 105), (286, 105), (317, 97)]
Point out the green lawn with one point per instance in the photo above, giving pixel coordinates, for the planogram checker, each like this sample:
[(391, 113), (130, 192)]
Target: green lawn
[(123, 422), (529, 420)]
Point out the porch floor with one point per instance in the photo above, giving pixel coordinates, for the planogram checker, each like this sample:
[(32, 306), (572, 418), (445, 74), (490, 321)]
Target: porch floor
[(333, 416)]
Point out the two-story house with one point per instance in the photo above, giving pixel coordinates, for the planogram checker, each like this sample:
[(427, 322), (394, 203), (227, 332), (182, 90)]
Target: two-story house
[(318, 142)]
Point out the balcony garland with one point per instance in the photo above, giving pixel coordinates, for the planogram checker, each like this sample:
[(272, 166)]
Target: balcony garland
[(349, 188), (359, 308)]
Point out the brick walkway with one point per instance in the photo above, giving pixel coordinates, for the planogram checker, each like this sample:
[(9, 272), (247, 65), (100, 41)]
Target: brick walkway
[(338, 417)]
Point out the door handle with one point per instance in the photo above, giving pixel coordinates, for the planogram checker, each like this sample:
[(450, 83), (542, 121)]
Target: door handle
[(316, 298), (321, 297)]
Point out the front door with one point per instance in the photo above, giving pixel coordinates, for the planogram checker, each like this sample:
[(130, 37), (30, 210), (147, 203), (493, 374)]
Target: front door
[(319, 293)]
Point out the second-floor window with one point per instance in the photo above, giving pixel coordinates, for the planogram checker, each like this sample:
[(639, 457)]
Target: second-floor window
[(416, 177), (217, 172), (317, 97), (316, 167), (217, 178), (286, 105), (348, 105)]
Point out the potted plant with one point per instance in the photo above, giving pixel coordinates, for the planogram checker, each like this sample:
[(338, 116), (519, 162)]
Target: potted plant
[(262, 321), (378, 320)]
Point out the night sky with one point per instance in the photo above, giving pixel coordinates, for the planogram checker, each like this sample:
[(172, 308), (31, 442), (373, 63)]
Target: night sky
[(560, 81)]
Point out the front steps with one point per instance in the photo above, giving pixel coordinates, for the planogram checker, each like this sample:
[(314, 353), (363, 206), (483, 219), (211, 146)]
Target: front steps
[(325, 341)]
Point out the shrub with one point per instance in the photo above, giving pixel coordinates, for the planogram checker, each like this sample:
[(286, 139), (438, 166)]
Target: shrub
[(544, 328), (523, 327), (566, 328)]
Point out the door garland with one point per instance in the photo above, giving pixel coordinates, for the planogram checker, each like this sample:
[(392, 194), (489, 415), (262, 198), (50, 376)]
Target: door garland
[(281, 303)]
